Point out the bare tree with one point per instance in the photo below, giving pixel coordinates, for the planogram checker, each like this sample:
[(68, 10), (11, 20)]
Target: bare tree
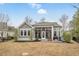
[(76, 6), (28, 19), (1, 17), (63, 21), (4, 18), (71, 25), (42, 20)]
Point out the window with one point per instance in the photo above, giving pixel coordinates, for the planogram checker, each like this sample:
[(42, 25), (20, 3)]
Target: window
[(28, 32), (36, 34), (21, 32), (24, 32), (39, 34), (55, 33)]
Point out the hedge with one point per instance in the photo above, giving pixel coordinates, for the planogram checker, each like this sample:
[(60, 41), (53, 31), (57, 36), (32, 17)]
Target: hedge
[(67, 37)]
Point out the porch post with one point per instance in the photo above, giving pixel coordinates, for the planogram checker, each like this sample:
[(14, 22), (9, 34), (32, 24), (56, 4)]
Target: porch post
[(58, 33), (52, 32), (33, 33)]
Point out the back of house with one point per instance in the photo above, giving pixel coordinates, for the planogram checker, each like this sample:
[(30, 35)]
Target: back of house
[(44, 31)]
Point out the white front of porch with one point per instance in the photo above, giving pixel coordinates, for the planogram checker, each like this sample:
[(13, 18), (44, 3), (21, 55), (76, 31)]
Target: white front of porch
[(44, 33), (47, 33)]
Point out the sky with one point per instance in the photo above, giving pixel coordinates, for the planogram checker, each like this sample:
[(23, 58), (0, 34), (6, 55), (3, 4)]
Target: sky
[(52, 12)]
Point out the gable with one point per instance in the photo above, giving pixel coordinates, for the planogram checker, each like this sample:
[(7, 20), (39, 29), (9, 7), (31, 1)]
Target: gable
[(25, 25)]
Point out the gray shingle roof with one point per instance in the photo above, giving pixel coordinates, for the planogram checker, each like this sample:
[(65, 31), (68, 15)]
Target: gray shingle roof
[(47, 24)]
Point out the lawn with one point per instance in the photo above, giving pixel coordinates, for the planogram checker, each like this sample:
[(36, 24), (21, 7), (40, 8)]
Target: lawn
[(11, 48)]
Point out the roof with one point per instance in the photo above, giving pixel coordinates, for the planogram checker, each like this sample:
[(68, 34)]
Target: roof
[(11, 28), (3, 26), (25, 25), (47, 24)]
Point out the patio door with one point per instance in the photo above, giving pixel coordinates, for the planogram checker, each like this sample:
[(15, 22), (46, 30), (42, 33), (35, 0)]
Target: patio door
[(43, 35)]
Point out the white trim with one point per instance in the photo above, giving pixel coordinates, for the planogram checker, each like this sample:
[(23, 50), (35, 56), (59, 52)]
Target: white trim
[(23, 32), (52, 34), (42, 26), (43, 33)]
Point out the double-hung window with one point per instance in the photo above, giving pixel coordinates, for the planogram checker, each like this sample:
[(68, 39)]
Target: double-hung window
[(24, 32), (21, 32)]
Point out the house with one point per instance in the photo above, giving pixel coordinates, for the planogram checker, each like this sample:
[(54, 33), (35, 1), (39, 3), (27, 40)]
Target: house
[(6, 31), (11, 31), (44, 31), (3, 30), (24, 32)]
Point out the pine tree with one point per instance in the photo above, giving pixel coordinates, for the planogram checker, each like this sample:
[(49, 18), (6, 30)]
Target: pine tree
[(76, 24)]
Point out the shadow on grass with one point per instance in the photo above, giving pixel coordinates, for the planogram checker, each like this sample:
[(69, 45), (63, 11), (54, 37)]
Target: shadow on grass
[(5, 40), (28, 41), (68, 42)]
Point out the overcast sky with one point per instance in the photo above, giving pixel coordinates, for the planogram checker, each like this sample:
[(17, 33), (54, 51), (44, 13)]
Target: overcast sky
[(52, 12)]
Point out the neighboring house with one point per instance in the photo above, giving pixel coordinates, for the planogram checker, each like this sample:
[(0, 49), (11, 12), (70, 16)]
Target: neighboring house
[(46, 31), (11, 31), (6, 31), (3, 30)]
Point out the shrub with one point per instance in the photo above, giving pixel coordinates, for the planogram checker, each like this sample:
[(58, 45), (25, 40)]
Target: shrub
[(67, 37), (10, 37)]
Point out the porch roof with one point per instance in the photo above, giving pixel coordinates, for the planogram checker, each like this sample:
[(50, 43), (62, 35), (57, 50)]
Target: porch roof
[(47, 24)]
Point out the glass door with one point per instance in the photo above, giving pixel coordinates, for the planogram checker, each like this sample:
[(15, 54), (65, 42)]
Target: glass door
[(43, 35)]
